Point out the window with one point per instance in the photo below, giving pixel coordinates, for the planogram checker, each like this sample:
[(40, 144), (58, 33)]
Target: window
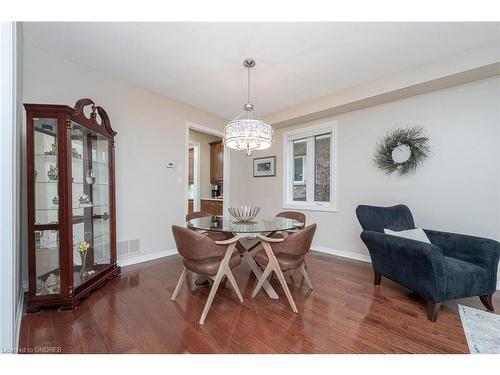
[(309, 168)]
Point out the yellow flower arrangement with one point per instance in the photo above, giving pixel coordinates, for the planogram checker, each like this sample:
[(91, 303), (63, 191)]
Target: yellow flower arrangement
[(83, 246)]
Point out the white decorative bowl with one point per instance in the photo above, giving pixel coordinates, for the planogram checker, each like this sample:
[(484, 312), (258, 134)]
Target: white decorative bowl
[(244, 213)]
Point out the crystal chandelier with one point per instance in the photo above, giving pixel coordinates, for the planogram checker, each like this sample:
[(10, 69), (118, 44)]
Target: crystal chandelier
[(247, 132)]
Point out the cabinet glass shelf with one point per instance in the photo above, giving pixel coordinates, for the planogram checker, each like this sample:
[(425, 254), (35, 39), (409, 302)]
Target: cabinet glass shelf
[(78, 160)]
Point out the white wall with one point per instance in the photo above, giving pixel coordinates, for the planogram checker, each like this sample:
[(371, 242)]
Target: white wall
[(458, 68), (457, 189), (151, 131), (11, 292)]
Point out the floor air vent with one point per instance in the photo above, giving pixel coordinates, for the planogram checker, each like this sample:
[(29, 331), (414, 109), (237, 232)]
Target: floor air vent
[(127, 247)]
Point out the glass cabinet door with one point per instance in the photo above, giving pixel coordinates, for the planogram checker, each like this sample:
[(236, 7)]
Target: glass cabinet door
[(91, 203), (46, 203)]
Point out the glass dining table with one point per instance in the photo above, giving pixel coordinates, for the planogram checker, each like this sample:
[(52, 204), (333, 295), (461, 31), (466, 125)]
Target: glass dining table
[(248, 232)]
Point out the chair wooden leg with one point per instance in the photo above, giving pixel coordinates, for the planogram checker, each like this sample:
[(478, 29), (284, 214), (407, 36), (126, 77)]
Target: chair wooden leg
[(306, 276), (284, 285), (377, 278), (432, 310), (179, 284), (224, 270), (262, 280), (274, 266), (232, 281), (210, 298), (487, 301)]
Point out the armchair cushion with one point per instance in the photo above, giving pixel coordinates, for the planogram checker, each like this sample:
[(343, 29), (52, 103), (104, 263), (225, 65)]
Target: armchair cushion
[(464, 279), (483, 252)]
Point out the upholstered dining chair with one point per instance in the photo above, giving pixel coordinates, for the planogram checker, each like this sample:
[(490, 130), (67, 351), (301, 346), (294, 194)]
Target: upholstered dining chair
[(294, 215), (284, 254), (204, 256), (216, 236), (196, 215)]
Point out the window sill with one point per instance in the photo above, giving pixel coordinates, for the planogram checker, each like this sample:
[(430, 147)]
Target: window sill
[(305, 207)]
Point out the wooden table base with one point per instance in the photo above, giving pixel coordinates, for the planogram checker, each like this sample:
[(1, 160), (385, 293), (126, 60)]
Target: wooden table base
[(255, 268)]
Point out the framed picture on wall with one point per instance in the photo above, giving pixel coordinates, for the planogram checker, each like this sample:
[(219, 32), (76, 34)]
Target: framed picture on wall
[(264, 167)]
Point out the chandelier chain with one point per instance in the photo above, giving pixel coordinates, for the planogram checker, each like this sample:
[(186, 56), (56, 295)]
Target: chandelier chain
[(248, 92)]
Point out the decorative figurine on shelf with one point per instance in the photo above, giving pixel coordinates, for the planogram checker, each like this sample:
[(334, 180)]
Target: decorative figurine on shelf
[(77, 131), (53, 173), (90, 177), (75, 153), (55, 201), (82, 249), (38, 236), (53, 150), (52, 283), (50, 286), (85, 201)]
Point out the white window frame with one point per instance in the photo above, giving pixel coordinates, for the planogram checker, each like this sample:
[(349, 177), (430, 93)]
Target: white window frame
[(309, 203)]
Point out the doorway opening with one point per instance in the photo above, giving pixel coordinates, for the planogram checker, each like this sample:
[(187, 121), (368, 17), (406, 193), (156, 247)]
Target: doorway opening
[(207, 172)]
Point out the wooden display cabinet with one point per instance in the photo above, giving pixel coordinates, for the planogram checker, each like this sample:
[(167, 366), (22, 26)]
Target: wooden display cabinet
[(71, 203)]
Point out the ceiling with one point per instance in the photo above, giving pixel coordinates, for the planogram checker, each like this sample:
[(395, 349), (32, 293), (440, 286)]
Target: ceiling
[(201, 63)]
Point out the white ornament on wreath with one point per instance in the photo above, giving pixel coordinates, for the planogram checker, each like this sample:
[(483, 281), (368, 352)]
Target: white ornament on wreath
[(401, 153)]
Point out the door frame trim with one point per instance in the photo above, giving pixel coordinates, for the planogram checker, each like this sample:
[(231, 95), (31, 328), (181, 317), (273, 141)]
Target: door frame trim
[(196, 174), (227, 179)]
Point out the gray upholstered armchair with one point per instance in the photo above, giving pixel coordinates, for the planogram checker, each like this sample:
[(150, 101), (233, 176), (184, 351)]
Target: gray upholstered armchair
[(452, 266)]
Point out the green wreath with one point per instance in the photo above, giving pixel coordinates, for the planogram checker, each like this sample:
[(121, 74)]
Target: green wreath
[(411, 141)]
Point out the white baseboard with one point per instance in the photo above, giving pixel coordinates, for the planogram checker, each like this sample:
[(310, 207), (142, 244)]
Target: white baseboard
[(19, 317), (342, 253), (134, 259)]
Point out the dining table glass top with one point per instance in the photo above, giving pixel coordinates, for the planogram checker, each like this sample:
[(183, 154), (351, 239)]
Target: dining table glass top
[(230, 224)]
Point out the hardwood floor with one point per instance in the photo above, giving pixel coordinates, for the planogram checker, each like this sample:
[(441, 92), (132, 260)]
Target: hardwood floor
[(345, 313)]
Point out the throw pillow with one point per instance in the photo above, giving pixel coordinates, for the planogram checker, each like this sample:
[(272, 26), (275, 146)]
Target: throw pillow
[(417, 234)]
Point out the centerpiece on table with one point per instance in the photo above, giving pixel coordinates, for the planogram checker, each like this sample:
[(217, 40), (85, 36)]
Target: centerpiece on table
[(244, 213)]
